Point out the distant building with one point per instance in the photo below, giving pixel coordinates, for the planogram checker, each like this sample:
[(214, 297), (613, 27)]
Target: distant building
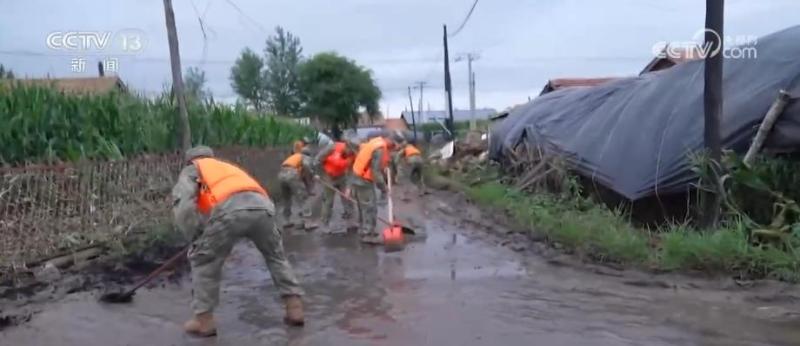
[(562, 83), (671, 56), (86, 85), (365, 120), (459, 115), (398, 124)]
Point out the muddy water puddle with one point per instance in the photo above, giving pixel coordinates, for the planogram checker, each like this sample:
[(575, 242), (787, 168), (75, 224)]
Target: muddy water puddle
[(452, 287)]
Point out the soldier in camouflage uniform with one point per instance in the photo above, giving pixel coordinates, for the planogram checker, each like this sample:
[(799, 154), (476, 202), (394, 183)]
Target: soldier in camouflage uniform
[(374, 158), (333, 162), (295, 179), (411, 158), (216, 226)]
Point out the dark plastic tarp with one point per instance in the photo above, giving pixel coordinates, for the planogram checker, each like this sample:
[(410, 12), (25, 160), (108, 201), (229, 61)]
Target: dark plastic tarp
[(634, 135)]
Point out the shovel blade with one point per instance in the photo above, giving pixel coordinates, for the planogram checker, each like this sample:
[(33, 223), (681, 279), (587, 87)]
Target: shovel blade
[(393, 238), (117, 297)]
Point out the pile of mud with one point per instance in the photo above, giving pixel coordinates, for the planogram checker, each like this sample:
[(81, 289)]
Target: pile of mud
[(21, 294)]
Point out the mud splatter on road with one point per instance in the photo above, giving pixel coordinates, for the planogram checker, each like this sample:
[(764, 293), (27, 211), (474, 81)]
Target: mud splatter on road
[(454, 287)]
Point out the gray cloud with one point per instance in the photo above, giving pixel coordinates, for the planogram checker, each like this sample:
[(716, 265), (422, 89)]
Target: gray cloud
[(522, 42)]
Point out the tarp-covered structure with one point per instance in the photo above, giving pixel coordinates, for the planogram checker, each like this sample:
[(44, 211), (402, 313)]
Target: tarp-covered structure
[(634, 135)]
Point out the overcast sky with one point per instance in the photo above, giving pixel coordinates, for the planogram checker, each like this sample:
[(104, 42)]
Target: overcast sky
[(522, 43)]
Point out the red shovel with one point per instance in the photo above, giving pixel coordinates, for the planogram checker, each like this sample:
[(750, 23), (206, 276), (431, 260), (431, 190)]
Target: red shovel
[(394, 231), (393, 238)]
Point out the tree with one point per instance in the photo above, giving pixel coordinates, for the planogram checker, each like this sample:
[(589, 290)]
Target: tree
[(335, 89), (282, 55), (5, 74), (246, 78), (195, 81)]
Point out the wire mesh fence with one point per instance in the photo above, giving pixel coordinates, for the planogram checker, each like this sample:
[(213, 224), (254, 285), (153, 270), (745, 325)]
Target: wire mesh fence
[(49, 209)]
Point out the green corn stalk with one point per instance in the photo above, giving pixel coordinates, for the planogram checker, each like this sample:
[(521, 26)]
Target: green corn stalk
[(45, 125)]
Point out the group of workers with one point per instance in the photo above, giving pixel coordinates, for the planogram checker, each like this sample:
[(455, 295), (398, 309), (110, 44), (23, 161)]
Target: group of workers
[(216, 203), (350, 169)]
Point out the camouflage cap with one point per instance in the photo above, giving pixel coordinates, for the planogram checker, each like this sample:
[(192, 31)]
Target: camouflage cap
[(398, 137), (198, 151)]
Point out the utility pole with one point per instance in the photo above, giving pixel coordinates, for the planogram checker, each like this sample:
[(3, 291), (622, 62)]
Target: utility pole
[(470, 57), (712, 101), (421, 86), (473, 123), (448, 90), (177, 77), (413, 122)]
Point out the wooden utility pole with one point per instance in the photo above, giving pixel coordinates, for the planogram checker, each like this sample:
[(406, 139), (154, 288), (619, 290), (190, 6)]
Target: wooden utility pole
[(448, 87), (712, 100), (177, 78), (413, 122)]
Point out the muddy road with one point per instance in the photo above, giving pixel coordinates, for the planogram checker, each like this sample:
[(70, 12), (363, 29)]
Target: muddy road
[(456, 286)]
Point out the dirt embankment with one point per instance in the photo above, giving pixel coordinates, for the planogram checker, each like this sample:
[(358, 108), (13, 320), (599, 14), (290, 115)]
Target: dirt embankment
[(102, 270)]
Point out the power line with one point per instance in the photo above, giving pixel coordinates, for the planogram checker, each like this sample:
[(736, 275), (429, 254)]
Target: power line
[(466, 19), (247, 17)]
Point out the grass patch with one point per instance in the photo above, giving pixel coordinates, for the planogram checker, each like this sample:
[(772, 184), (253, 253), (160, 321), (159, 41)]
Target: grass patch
[(580, 227), (594, 231)]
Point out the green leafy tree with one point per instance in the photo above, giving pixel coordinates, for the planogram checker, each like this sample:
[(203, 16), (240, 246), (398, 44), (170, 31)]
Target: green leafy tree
[(282, 55), (246, 78), (336, 89), (195, 83)]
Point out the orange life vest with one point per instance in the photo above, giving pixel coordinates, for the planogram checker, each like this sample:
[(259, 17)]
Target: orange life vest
[(219, 180), (362, 166), (411, 150), (337, 162), (294, 161)]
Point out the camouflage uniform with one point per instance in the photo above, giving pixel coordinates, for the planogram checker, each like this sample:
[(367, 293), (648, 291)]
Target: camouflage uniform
[(328, 195), (414, 163), (245, 214), (365, 195), (294, 187)]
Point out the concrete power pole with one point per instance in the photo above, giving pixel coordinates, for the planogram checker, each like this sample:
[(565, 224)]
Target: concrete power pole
[(177, 77), (413, 121), (448, 88), (470, 57), (420, 112)]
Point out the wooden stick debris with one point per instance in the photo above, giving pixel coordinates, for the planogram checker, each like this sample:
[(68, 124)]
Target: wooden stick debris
[(766, 126)]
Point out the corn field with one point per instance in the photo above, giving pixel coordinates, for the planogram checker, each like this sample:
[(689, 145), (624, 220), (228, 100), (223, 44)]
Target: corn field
[(47, 126)]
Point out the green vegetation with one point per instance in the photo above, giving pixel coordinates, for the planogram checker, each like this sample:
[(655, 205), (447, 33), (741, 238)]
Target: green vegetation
[(592, 230), (41, 124), (6, 74), (246, 78), (326, 86), (336, 88), (283, 55)]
